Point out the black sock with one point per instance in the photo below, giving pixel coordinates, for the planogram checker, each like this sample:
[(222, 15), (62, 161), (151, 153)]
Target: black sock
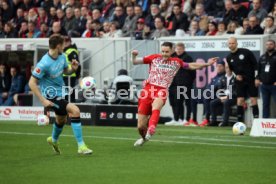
[(255, 109), (240, 113)]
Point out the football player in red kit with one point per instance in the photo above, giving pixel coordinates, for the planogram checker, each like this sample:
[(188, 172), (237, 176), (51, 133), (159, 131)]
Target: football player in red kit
[(154, 94)]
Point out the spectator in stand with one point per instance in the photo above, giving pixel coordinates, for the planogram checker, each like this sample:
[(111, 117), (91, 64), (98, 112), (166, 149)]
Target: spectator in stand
[(257, 10), (213, 8), (164, 8), (254, 26), (187, 7), (32, 33), (52, 16), (42, 17), (179, 20), (96, 4), (138, 33), (270, 27), (238, 12), (273, 13), (171, 4), (154, 12), (15, 4), (42, 33), (57, 29), (69, 20), (64, 4), (96, 29), (85, 3), (234, 28), (88, 32), (96, 15), (84, 12), (106, 29), (56, 4), (145, 4), (114, 32), (195, 30), (213, 87), (138, 12), (160, 30), (16, 21), (108, 9), (225, 100), (17, 84), (119, 16), (32, 15), (221, 29), (23, 30), (27, 5), (212, 28), (73, 4), (60, 17), (130, 22), (245, 26), (9, 30), (5, 83), (79, 25), (147, 32), (227, 11), (201, 17), (7, 12)]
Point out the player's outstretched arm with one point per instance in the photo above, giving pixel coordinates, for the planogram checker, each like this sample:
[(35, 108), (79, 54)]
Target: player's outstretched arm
[(135, 60), (196, 66), (33, 83)]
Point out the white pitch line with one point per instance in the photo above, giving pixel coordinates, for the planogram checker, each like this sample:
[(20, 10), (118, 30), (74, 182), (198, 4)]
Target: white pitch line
[(223, 140), (154, 140)]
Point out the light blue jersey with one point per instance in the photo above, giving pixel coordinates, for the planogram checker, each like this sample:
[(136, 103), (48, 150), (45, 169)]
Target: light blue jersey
[(49, 72)]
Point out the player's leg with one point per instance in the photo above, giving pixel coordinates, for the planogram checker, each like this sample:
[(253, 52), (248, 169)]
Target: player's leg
[(241, 94), (74, 111), (56, 131), (240, 108), (142, 125), (157, 105), (253, 93)]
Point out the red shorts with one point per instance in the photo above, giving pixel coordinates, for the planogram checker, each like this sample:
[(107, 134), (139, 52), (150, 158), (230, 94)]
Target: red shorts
[(147, 95)]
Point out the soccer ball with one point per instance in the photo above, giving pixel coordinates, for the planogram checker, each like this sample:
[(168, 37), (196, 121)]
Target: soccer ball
[(239, 128), (42, 120), (88, 83)]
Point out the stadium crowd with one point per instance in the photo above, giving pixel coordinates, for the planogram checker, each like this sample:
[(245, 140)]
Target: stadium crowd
[(140, 19)]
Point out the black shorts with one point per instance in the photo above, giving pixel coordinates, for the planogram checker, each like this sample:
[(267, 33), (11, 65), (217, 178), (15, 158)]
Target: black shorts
[(59, 106), (245, 89)]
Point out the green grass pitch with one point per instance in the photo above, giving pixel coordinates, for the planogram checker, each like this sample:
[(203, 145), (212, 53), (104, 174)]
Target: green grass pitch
[(175, 155)]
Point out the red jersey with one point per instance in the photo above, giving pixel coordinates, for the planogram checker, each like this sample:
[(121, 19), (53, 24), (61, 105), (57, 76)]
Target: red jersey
[(162, 72)]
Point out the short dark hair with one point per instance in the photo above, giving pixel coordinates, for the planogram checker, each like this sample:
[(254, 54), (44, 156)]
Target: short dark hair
[(272, 41), (122, 72), (167, 44), (55, 40)]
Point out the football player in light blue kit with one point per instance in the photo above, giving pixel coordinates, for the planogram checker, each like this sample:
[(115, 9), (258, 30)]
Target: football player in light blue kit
[(48, 72)]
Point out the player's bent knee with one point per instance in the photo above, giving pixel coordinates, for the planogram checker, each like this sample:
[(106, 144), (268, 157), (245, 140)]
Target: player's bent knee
[(73, 110)]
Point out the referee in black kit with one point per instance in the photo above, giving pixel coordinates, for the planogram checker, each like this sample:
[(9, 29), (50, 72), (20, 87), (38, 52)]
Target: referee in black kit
[(266, 77), (243, 63)]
